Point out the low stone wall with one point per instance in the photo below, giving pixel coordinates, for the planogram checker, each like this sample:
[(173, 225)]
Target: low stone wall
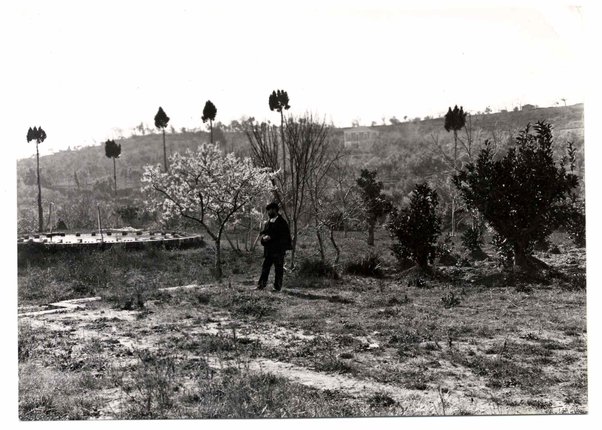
[(45, 243)]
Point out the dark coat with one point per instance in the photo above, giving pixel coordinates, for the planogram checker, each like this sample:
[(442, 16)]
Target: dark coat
[(280, 236)]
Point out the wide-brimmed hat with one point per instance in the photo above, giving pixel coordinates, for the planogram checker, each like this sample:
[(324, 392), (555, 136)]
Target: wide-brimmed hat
[(272, 205)]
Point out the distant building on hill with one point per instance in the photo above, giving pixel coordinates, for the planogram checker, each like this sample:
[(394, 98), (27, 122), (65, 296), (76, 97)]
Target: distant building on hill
[(528, 107), (359, 138)]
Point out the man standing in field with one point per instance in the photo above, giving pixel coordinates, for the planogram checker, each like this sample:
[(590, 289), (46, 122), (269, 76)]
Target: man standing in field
[(276, 240)]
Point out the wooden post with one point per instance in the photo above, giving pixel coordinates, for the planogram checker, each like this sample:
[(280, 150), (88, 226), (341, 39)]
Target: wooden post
[(50, 217), (99, 223)]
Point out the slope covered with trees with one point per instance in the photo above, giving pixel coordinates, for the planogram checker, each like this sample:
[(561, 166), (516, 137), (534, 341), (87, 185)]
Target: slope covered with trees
[(404, 154)]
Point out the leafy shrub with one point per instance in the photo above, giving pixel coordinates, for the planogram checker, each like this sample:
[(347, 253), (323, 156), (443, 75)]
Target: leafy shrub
[(48, 394), (450, 300), (445, 252), (405, 338), (416, 227), (334, 365), (203, 298), (381, 400), (151, 390), (542, 245), (88, 272), (418, 282), (255, 308), (575, 223), (472, 238), (503, 250), (132, 293), (376, 204), (38, 286), (315, 268), (575, 282), (523, 194), (369, 265), (406, 342), (26, 221), (522, 287), (394, 301), (27, 342), (135, 215), (128, 214)]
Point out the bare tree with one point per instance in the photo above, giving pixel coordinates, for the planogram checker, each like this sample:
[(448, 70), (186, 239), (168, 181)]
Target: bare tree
[(305, 141), (321, 196), (335, 199), (346, 198)]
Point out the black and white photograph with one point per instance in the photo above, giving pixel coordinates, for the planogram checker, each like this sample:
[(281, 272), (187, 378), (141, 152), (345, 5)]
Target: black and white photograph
[(271, 211)]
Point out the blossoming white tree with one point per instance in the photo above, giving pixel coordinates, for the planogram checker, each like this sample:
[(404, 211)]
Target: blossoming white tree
[(209, 187)]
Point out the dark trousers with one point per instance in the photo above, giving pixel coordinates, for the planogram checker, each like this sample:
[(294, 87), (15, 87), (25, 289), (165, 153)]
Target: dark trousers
[(277, 259)]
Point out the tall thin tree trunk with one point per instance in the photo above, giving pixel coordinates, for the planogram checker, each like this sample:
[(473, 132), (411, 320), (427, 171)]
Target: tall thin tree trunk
[(334, 245), (164, 152), (321, 246), (455, 150), (453, 192), (40, 211), (422, 262), (115, 175), (234, 247), (48, 224), (211, 129), (294, 240), (371, 234), (218, 258), (283, 146), (247, 235), (520, 258), (453, 214)]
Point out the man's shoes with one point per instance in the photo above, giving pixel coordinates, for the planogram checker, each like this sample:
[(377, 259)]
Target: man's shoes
[(260, 287), (277, 288)]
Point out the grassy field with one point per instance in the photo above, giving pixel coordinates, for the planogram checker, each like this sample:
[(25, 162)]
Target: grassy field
[(469, 340)]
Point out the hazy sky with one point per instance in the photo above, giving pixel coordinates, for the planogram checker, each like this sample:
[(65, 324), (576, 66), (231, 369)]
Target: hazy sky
[(84, 69)]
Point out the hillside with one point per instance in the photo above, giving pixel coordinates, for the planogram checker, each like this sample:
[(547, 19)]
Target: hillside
[(413, 151), (406, 153)]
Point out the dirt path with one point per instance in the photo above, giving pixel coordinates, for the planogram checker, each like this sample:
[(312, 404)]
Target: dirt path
[(415, 402), (117, 325)]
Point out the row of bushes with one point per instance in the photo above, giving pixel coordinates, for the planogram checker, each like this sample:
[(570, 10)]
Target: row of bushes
[(369, 265), (523, 196)]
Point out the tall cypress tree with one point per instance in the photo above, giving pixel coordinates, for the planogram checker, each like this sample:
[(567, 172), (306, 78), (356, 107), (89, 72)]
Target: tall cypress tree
[(161, 120), (209, 113), (39, 135), (113, 150), (454, 120), (278, 101)]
